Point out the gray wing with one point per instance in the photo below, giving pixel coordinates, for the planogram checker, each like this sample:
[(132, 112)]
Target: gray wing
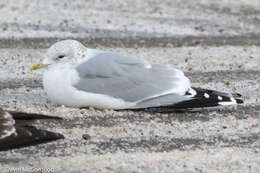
[(128, 78)]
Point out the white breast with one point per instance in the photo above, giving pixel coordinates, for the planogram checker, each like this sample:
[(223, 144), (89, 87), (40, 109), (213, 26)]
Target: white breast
[(55, 83)]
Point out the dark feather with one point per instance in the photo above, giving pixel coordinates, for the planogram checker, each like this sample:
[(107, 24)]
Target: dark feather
[(198, 101), (24, 134)]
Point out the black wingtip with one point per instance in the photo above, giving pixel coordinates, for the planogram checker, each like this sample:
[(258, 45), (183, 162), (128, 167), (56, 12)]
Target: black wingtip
[(236, 95), (239, 101), (239, 95), (203, 98)]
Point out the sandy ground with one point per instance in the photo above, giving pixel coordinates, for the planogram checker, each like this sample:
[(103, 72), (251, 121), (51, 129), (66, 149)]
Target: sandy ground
[(216, 44)]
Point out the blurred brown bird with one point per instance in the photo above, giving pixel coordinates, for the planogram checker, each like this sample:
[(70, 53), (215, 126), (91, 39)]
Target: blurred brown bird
[(16, 131)]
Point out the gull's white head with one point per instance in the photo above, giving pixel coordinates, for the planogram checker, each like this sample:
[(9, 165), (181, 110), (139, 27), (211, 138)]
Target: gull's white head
[(62, 52)]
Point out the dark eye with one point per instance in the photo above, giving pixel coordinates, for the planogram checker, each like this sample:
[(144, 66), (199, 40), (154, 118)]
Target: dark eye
[(60, 56)]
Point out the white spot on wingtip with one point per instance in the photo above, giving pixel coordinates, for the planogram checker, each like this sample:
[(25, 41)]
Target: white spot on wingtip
[(206, 95), (192, 92), (220, 98)]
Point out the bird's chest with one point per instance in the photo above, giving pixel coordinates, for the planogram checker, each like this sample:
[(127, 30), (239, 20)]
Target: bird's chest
[(55, 83)]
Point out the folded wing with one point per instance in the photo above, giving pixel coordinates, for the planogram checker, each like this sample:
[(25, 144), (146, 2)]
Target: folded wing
[(128, 78)]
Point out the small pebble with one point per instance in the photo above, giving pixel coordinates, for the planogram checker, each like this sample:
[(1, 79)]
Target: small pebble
[(86, 136)]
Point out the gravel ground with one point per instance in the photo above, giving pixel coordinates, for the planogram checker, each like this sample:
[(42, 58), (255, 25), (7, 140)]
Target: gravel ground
[(216, 44)]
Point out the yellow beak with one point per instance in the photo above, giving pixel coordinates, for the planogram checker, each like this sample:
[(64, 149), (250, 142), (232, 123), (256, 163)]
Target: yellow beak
[(38, 66)]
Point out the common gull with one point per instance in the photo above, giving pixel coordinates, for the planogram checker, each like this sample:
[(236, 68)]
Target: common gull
[(77, 76)]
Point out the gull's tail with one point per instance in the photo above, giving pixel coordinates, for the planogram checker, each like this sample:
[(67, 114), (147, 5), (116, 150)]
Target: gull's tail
[(201, 98)]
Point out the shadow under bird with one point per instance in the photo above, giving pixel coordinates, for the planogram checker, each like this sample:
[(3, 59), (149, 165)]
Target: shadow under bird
[(16, 131), (77, 76)]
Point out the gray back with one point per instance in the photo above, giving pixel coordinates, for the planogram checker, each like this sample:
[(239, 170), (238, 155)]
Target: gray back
[(127, 78)]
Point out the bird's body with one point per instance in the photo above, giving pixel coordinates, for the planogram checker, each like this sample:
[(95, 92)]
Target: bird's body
[(82, 77)]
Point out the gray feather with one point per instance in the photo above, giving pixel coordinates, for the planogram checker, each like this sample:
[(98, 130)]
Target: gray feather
[(123, 77)]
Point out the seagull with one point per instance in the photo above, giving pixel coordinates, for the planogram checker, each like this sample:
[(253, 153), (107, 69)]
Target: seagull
[(15, 131), (77, 76)]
